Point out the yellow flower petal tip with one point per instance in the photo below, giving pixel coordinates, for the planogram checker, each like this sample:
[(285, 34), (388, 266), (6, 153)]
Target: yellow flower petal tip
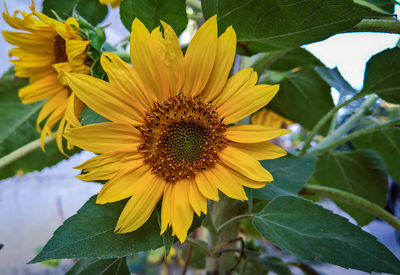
[(171, 135), (45, 50)]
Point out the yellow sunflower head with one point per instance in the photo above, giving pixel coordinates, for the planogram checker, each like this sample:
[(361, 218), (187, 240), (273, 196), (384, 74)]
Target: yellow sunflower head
[(269, 118), (171, 134), (45, 49)]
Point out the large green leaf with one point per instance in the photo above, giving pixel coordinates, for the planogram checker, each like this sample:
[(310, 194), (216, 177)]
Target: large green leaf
[(265, 25), (18, 127), (150, 12), (387, 143), (313, 233), (382, 75), (335, 79), (356, 172), (378, 5), (290, 174), (293, 58), (90, 234), (303, 97), (105, 267), (91, 10)]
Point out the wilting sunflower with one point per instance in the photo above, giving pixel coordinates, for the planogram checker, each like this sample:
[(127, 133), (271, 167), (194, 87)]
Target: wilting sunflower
[(45, 49), (112, 3), (269, 118), (171, 134)]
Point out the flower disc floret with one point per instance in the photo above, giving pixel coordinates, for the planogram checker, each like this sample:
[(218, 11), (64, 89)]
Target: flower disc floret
[(182, 136)]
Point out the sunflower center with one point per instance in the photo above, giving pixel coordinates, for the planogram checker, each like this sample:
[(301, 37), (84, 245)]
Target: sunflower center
[(60, 51), (182, 136)]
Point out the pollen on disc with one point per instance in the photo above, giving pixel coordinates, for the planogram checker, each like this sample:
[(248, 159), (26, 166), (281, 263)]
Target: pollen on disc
[(182, 136)]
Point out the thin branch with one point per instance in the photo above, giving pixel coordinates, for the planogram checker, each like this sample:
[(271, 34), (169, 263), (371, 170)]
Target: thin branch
[(194, 243), (187, 260), (23, 151), (240, 256), (351, 199)]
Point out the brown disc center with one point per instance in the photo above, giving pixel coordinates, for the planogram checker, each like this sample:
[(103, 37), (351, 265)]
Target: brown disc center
[(60, 51), (182, 136)]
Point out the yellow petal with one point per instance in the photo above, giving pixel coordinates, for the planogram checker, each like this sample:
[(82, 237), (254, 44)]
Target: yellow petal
[(245, 181), (269, 118), (127, 79), (51, 105), (197, 200), (105, 99), (260, 150), (223, 63), (240, 81), (27, 41), (41, 89), (104, 137), (146, 60), (225, 182), (139, 208), (76, 51), (207, 188), (200, 57), (166, 208), (246, 102), (246, 133), (125, 182), (182, 211), (244, 164), (170, 52)]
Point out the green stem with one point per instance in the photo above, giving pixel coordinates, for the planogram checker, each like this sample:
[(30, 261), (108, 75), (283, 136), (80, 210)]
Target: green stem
[(377, 25), (335, 135), (23, 151), (361, 203), (233, 220), (194, 4), (319, 150), (321, 123)]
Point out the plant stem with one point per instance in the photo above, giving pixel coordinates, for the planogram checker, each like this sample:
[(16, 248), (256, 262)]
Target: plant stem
[(319, 150), (377, 25), (321, 123), (233, 220), (360, 112), (351, 199), (23, 151)]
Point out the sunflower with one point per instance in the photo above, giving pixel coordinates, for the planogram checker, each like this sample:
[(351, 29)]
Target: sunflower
[(45, 49), (112, 3), (171, 134), (269, 118)]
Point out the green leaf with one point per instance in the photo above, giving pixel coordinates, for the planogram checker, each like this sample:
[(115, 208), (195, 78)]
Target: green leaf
[(18, 128), (293, 58), (382, 75), (150, 12), (271, 263), (303, 97), (63, 8), (198, 257), (105, 267), (290, 174), (334, 78), (90, 234), (356, 172), (378, 5), (311, 232), (88, 116), (387, 143), (266, 25), (92, 11)]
